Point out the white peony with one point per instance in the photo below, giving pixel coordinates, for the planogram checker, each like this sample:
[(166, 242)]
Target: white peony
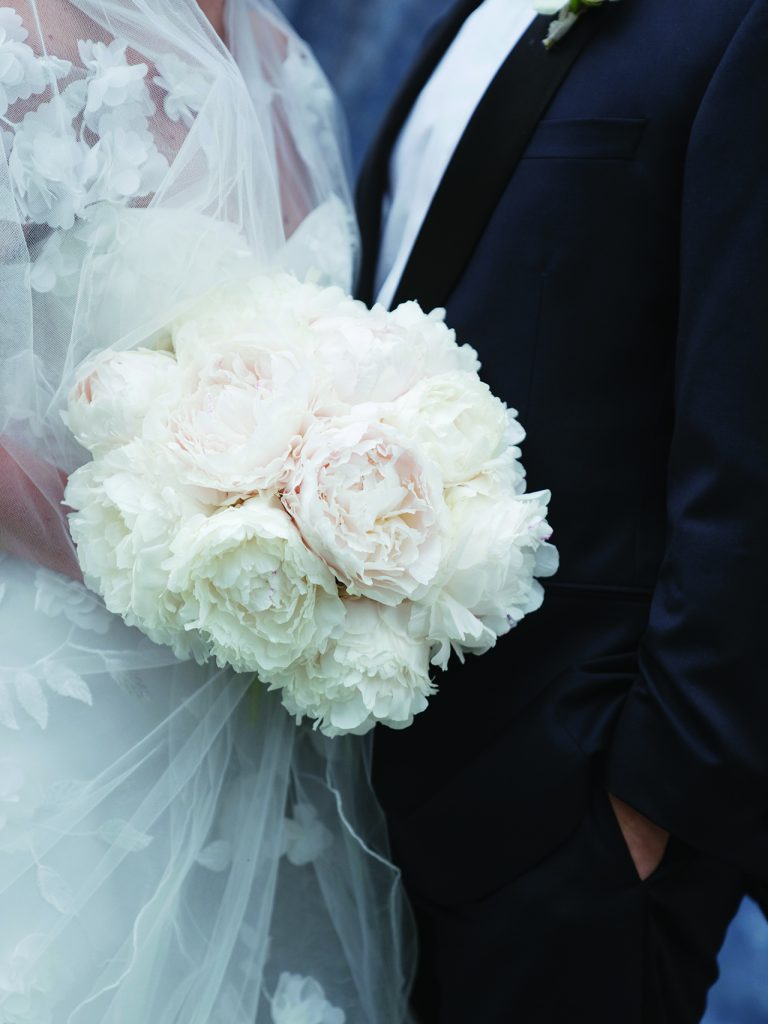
[(370, 506), (127, 511), (251, 588), (373, 672), (455, 420), (267, 311), (503, 475), (357, 355), (238, 417), (487, 583), (301, 1000), (377, 356), (113, 394), (302, 488)]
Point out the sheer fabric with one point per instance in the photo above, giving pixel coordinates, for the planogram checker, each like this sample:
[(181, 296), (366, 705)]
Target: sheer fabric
[(143, 165), (172, 847)]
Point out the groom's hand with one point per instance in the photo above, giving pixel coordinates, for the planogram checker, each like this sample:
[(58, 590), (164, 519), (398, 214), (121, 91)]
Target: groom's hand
[(647, 842)]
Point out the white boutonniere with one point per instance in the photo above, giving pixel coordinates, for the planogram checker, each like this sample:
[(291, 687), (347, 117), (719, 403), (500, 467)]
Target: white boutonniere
[(565, 16)]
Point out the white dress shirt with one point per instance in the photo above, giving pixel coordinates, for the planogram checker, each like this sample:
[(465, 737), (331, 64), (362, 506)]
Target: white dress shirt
[(436, 124)]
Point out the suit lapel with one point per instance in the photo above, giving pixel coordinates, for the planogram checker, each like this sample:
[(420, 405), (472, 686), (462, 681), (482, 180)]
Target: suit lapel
[(374, 177), (484, 161)]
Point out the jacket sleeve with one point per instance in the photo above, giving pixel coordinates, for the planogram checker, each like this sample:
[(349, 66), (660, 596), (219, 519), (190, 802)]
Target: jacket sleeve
[(690, 747)]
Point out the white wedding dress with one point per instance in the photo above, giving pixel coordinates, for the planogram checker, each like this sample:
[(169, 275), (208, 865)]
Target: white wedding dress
[(173, 849)]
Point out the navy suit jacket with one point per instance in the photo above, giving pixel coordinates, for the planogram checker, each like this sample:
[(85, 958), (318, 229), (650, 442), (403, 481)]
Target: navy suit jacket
[(617, 297)]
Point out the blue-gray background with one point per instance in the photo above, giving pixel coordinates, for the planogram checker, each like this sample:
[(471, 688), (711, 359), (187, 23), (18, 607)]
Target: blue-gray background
[(365, 47)]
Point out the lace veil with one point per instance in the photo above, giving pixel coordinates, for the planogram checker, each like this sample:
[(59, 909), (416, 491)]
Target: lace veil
[(142, 163), (172, 848)]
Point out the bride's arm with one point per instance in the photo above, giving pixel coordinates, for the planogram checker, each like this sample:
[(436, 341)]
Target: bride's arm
[(214, 12), (260, 43), (32, 524), (295, 189)]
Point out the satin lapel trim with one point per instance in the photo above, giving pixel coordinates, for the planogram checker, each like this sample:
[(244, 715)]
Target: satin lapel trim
[(486, 157), (374, 177)]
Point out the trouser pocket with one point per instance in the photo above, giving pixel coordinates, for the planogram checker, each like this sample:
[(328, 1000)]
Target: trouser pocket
[(676, 855)]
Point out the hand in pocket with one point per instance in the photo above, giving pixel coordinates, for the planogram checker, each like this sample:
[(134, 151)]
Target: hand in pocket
[(646, 841)]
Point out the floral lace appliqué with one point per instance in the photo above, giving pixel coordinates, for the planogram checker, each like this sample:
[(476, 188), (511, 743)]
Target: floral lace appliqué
[(26, 990), (90, 144), (186, 89), (305, 837), (55, 595), (300, 1000), (22, 74), (25, 691)]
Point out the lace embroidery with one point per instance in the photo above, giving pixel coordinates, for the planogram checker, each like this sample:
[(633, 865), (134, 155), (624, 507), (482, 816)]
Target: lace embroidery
[(83, 153), (22, 74), (87, 147), (55, 595), (25, 988), (11, 785), (305, 837), (23, 690), (186, 90), (300, 1000)]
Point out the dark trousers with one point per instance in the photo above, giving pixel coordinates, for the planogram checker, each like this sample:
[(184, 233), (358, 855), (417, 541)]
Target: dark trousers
[(579, 939), (529, 907)]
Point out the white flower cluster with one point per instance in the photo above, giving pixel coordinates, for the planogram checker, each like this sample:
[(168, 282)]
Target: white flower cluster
[(304, 488)]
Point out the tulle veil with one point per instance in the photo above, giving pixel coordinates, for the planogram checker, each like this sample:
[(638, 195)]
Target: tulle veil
[(173, 848)]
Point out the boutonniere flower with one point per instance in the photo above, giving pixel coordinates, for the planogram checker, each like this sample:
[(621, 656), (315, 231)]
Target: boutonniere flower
[(565, 16)]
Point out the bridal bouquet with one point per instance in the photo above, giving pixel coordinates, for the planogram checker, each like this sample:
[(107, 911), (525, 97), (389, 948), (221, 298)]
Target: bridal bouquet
[(299, 487)]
